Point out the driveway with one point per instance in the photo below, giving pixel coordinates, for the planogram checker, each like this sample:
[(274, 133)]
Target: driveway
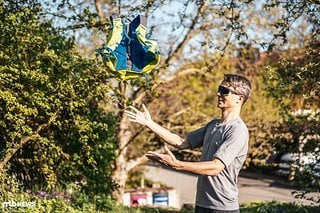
[(252, 187)]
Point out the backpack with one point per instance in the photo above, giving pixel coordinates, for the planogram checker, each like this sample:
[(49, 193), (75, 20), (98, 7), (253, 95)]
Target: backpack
[(127, 52)]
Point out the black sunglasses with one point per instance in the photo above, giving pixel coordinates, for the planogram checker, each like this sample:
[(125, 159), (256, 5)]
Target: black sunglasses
[(226, 91)]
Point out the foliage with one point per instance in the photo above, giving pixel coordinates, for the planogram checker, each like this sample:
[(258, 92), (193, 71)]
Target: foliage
[(74, 201), (291, 13), (52, 128), (10, 190), (296, 77), (294, 83), (275, 206)]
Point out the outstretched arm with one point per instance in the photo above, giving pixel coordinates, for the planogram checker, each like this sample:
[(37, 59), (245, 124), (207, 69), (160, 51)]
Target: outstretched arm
[(207, 168), (144, 118)]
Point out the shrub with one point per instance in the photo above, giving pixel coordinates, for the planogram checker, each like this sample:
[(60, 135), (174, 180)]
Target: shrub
[(277, 207)]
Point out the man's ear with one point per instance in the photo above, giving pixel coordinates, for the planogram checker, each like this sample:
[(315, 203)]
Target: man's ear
[(241, 98)]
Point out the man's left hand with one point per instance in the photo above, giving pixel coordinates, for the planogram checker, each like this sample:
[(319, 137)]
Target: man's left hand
[(167, 158)]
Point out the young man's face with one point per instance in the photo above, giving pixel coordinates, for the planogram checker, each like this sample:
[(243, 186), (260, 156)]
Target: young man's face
[(228, 97)]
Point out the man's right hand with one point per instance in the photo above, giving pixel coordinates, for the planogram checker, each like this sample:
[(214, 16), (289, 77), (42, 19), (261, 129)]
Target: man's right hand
[(143, 118)]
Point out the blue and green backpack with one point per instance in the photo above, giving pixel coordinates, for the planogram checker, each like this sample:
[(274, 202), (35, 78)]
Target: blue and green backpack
[(128, 53)]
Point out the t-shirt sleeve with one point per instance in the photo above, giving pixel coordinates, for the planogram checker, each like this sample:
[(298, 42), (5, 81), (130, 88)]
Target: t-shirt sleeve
[(235, 144), (195, 138)]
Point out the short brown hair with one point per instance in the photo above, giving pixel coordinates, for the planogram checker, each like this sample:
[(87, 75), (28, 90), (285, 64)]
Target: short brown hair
[(239, 83)]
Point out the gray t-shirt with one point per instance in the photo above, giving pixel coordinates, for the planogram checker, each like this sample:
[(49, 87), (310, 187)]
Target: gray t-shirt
[(229, 143)]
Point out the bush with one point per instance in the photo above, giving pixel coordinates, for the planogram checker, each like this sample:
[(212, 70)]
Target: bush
[(14, 199), (277, 207)]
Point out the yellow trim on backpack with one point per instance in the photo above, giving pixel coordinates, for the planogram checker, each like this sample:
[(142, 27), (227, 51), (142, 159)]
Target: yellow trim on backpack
[(152, 47), (115, 36)]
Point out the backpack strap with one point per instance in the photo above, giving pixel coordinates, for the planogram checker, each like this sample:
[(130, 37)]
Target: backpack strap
[(145, 55), (107, 52)]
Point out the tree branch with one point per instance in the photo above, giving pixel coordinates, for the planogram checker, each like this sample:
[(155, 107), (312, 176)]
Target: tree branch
[(193, 152), (187, 37), (99, 10), (173, 117), (140, 160), (184, 72), (138, 96), (130, 140), (11, 152)]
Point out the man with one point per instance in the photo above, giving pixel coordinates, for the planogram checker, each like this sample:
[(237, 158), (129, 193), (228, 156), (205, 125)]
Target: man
[(224, 144)]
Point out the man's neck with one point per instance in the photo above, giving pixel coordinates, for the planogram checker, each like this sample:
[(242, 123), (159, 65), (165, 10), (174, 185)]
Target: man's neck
[(229, 114)]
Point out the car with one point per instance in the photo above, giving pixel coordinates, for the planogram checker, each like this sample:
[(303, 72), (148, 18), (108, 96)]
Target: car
[(316, 170), (290, 161)]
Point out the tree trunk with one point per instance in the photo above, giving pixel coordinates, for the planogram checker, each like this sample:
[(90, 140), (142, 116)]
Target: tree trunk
[(120, 172), (120, 176)]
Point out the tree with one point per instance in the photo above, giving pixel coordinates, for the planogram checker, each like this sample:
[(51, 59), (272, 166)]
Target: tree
[(53, 131), (294, 83)]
